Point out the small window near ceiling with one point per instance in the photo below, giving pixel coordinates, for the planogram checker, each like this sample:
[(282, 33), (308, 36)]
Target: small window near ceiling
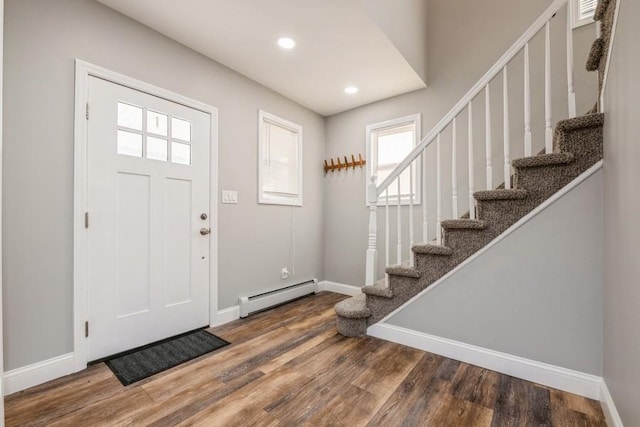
[(582, 12), (280, 161), (388, 143)]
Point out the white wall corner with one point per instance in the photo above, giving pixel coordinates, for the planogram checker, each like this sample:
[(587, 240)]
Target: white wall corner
[(38, 373), (608, 407), (576, 382), (339, 288), (227, 315)]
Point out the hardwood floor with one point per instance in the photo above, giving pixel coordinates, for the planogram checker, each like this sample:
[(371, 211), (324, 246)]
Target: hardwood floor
[(288, 367)]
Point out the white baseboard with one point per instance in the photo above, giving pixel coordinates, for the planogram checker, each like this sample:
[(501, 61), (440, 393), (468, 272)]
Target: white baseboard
[(227, 315), (609, 408), (339, 288), (542, 373), (38, 373)]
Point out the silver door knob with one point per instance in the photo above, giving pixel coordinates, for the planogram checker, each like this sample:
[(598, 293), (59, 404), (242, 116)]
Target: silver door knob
[(205, 231)]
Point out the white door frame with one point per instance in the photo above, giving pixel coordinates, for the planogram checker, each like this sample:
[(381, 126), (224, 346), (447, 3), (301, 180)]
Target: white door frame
[(80, 284)]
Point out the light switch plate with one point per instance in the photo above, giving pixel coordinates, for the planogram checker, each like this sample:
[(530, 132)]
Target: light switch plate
[(229, 196)]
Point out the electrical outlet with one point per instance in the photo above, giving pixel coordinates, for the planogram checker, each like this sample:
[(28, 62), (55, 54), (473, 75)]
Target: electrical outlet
[(284, 273)]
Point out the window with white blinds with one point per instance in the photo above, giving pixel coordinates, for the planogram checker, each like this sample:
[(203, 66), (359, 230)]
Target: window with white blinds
[(582, 12), (280, 164)]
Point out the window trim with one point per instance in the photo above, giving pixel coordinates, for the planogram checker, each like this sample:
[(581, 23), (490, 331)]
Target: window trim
[(412, 119), (576, 22), (271, 199)]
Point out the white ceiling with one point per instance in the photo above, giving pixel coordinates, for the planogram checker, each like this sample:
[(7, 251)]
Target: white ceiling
[(337, 44)]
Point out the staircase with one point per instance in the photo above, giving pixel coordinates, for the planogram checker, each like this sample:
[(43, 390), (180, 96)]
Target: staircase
[(570, 149)]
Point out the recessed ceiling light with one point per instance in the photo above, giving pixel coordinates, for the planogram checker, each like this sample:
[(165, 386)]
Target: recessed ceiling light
[(286, 42), (350, 90)]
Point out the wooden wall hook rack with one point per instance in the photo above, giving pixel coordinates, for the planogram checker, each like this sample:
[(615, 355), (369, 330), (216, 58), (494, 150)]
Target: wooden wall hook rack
[(346, 165)]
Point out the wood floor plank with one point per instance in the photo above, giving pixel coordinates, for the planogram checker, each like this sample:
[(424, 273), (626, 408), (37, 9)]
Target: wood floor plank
[(273, 351), (351, 407), (416, 391), (289, 367), (576, 403), (293, 353), (299, 404), (476, 385), (176, 410), (566, 417), (215, 365), (242, 406), (73, 393), (111, 411), (454, 412), (393, 363), (521, 403)]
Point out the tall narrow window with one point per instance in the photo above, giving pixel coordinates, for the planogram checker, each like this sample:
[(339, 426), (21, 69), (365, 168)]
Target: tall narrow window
[(388, 143), (582, 12), (280, 161)]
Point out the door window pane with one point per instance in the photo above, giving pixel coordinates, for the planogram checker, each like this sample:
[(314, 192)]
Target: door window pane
[(180, 129), (129, 116), (180, 153), (129, 143), (157, 123), (156, 149)]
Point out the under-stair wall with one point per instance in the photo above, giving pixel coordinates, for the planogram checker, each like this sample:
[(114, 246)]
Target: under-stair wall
[(622, 229), (545, 304), (453, 71)]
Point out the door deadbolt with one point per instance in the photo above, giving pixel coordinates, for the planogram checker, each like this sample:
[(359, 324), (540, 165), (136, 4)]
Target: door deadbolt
[(205, 231), (203, 216)]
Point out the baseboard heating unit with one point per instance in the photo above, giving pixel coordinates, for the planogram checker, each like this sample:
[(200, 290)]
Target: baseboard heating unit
[(251, 304)]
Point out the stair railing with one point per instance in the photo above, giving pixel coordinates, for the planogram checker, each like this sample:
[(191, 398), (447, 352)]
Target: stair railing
[(379, 194)]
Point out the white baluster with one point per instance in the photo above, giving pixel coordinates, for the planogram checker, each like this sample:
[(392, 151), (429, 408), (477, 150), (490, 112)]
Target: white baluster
[(399, 224), (411, 259), (570, 84), (548, 132), (454, 172), (505, 120), (487, 137), (386, 235), (372, 256), (472, 204), (527, 103), (425, 213), (438, 193)]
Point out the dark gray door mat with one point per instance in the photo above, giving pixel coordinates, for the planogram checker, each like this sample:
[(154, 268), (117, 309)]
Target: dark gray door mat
[(140, 363)]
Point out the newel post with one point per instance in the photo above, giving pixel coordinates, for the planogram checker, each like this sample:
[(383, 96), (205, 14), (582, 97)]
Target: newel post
[(372, 256)]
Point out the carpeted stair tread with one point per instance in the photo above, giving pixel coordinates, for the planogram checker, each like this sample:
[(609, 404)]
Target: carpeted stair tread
[(400, 270), (473, 224), (510, 194), (586, 121), (541, 160), (578, 135), (378, 290), (601, 8), (432, 249), (595, 55), (354, 307)]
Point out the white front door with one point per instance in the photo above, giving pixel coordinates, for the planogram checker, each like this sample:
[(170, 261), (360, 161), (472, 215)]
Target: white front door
[(148, 202)]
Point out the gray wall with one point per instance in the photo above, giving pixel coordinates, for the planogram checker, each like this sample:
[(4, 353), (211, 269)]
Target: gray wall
[(42, 39), (621, 208), (544, 304), (463, 43), (405, 24)]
